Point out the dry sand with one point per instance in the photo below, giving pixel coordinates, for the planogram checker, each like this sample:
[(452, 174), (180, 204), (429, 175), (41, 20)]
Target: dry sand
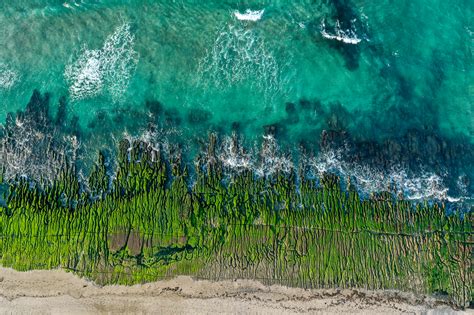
[(59, 292)]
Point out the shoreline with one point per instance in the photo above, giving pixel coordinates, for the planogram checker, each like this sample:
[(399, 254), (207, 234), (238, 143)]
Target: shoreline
[(53, 291)]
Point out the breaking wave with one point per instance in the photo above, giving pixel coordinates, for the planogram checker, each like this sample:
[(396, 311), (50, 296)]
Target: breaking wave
[(268, 159), (8, 77), (368, 179), (233, 156), (239, 56), (249, 15), (85, 75), (27, 151), (264, 160), (347, 36), (108, 69)]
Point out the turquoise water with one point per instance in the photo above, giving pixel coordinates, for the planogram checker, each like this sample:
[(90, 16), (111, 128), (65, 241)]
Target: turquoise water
[(389, 81)]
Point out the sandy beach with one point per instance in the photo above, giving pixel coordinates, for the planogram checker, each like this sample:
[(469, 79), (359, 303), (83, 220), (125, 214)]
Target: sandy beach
[(60, 292)]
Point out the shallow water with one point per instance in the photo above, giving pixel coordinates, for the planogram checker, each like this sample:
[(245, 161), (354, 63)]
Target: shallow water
[(390, 81)]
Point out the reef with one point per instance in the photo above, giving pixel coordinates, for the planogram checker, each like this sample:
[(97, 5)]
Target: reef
[(147, 209), (35, 145), (151, 218)]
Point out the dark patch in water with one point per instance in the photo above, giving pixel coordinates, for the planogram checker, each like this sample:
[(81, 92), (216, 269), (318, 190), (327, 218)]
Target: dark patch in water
[(38, 103), (339, 117), (154, 107), (75, 127), (118, 118), (349, 19), (172, 117), (305, 104), (344, 12), (276, 129), (438, 71), (91, 124), (37, 110), (235, 126), (290, 109), (61, 115), (292, 113), (198, 116), (350, 53), (405, 89), (100, 120), (314, 108), (101, 115)]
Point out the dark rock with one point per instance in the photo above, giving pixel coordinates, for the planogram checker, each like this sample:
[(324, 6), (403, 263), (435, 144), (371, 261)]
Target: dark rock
[(276, 129), (291, 113), (74, 126), (405, 89), (235, 126), (313, 110), (338, 117), (61, 115), (198, 116), (37, 109), (318, 108), (154, 107), (92, 124), (394, 149), (305, 104), (172, 117), (118, 118), (101, 115), (290, 108), (431, 145), (270, 129), (412, 142)]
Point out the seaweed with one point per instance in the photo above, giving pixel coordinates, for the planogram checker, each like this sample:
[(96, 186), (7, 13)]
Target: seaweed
[(146, 222)]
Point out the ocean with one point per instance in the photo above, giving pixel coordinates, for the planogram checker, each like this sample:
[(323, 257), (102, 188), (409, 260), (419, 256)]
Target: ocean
[(376, 91)]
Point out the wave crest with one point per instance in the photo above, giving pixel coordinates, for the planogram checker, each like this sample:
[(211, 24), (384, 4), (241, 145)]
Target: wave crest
[(108, 69), (8, 77), (347, 36), (398, 180), (249, 15), (239, 56)]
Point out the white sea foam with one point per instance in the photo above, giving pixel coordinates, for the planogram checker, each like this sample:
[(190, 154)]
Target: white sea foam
[(265, 160), (8, 77), (347, 36), (268, 159), (85, 75), (419, 186), (31, 153), (233, 156), (239, 56), (108, 69), (120, 60), (249, 15), (272, 160)]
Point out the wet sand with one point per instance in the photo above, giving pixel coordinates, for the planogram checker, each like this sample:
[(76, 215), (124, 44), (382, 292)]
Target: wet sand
[(60, 292)]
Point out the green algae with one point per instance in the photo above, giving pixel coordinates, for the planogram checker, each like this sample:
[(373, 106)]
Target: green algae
[(148, 222)]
